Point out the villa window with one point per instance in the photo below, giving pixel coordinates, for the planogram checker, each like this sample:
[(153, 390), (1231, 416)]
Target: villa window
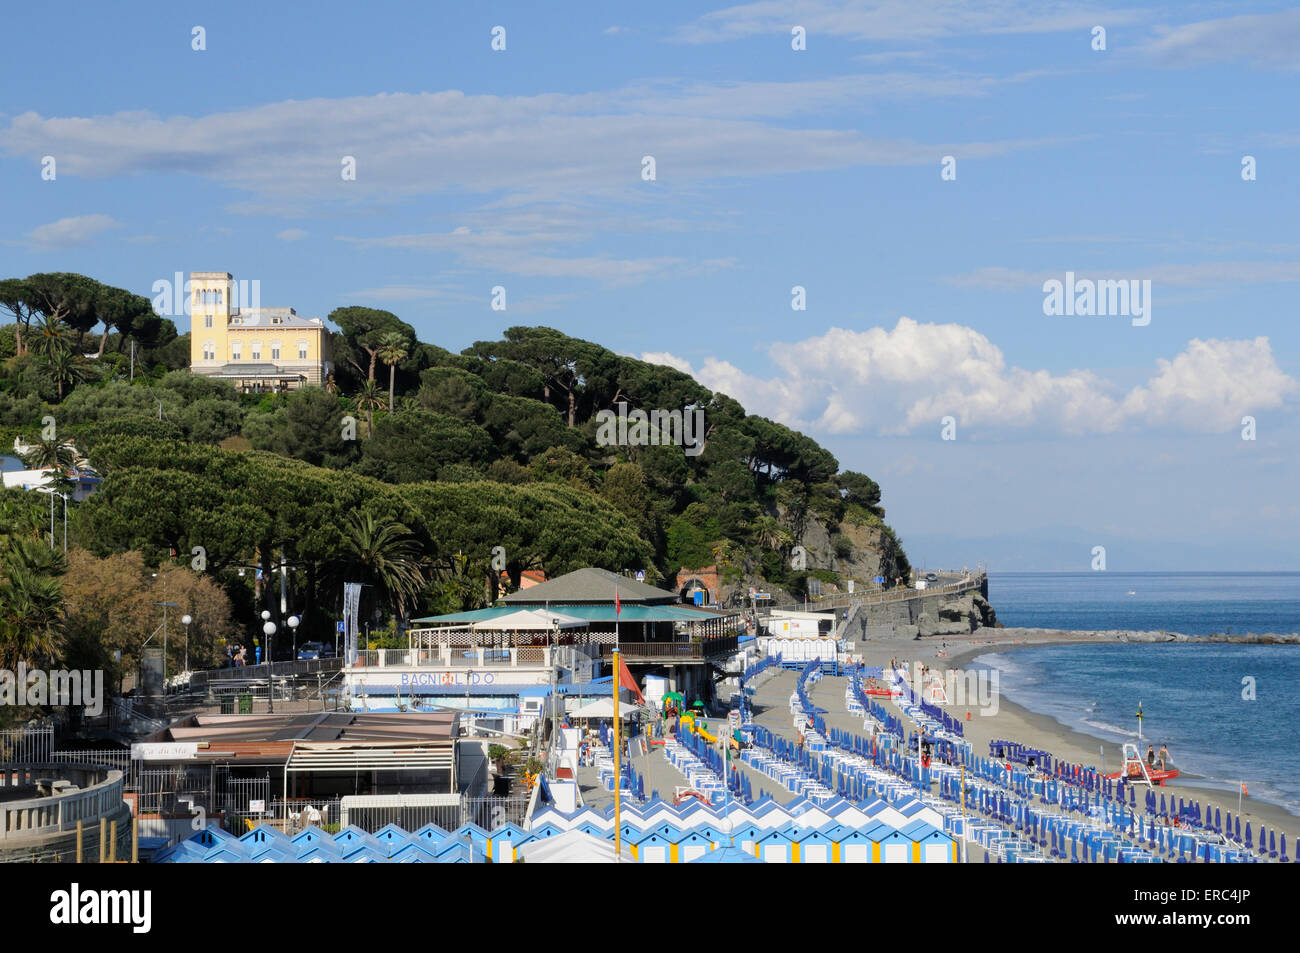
[(302, 350), (235, 348), (209, 351), (257, 350), (275, 350), (207, 320)]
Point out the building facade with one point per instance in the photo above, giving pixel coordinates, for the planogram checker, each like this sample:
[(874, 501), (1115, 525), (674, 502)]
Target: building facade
[(259, 350)]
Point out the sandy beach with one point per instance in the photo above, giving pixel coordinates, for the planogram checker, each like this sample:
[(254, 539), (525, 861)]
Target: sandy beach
[(1016, 723)]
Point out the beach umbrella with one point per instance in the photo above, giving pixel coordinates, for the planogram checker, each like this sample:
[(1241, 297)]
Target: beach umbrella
[(1132, 796), (1218, 820), (1283, 852), (1248, 835), (1272, 842), (1162, 804)]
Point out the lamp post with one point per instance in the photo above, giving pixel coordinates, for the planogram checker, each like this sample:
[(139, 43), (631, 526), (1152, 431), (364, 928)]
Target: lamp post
[(268, 629), (293, 621), (187, 620), (165, 607), (551, 701)]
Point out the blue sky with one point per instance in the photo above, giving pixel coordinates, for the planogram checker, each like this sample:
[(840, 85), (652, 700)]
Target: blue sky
[(774, 168)]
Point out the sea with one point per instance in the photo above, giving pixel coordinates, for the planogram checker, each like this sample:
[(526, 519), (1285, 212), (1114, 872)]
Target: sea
[(1228, 713)]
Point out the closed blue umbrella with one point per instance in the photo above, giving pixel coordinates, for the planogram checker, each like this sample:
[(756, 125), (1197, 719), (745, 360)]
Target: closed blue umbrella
[(1238, 837), (1272, 843), (1248, 835), (1283, 850)]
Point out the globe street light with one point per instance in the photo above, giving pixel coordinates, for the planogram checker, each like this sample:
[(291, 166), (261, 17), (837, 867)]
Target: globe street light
[(268, 629), (187, 620), (294, 621)]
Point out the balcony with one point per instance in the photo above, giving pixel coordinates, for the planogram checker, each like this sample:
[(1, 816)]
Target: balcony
[(699, 650)]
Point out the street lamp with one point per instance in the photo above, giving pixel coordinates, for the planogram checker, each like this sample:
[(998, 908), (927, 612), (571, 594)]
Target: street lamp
[(294, 621), (187, 620), (268, 629)]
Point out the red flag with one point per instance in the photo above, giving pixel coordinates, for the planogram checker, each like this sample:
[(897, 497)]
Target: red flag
[(625, 680), (618, 606), (1243, 789)]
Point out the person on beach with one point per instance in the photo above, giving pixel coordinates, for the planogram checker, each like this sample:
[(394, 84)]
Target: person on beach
[(1164, 755), (1151, 756)]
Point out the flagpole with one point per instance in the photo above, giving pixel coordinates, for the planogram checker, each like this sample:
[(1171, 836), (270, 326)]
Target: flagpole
[(618, 741), (618, 767)]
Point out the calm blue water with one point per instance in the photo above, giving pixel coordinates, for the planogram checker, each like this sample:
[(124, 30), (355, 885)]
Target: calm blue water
[(1191, 697), (1190, 694), (1196, 603)]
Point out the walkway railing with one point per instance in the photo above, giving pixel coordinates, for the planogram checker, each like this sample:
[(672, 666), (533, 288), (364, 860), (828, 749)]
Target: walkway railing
[(844, 599), (99, 794), (704, 649)]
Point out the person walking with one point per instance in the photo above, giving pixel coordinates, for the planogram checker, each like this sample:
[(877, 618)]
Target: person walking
[(1163, 756), (1151, 756)]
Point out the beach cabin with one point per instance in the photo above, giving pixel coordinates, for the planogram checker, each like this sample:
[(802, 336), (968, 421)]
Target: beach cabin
[(929, 844), (655, 847), (746, 836), (889, 845), (810, 845), (475, 835), (849, 845), (694, 844), (320, 852), (412, 852), (774, 847)]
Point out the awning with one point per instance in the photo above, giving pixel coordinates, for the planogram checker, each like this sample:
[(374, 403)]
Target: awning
[(604, 708), (531, 620)]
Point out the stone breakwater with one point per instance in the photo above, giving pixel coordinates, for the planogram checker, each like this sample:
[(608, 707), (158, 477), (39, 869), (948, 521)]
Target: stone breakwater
[(1130, 635)]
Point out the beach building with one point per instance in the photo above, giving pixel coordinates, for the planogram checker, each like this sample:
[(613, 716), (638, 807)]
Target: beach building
[(260, 350), (247, 766), (578, 617)]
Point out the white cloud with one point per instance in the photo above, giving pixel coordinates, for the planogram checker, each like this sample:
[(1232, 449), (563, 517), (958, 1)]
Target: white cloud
[(292, 235), (895, 20), (78, 230), (904, 380), (1268, 39), (449, 142), (1200, 275)]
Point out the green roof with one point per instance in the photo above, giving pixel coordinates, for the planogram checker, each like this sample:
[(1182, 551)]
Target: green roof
[(678, 613), (592, 586)]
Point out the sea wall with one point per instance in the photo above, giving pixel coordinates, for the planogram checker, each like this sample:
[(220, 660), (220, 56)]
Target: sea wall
[(922, 616)]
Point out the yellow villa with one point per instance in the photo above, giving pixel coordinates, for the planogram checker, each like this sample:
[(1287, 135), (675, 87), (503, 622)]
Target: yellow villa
[(260, 350)]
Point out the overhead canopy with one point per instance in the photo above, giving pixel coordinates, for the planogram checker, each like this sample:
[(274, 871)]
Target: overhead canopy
[(604, 708), (530, 620), (573, 847)]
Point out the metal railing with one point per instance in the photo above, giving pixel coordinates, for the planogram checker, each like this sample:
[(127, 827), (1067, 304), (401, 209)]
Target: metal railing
[(844, 600), (702, 649), (24, 745), (201, 682)]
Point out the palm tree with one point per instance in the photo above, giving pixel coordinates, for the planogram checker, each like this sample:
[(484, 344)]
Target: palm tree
[(369, 398), (60, 454), (31, 617), (66, 368), (383, 553), (50, 337), (770, 533), (331, 386), (392, 351)]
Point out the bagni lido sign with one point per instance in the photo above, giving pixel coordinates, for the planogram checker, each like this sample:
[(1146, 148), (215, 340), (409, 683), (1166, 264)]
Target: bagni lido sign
[(447, 678)]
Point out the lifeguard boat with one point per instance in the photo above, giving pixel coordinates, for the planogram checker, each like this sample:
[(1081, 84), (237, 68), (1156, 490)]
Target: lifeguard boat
[(1136, 771)]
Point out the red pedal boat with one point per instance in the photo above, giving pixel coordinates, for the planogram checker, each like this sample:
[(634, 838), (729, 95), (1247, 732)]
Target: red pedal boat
[(1157, 777)]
